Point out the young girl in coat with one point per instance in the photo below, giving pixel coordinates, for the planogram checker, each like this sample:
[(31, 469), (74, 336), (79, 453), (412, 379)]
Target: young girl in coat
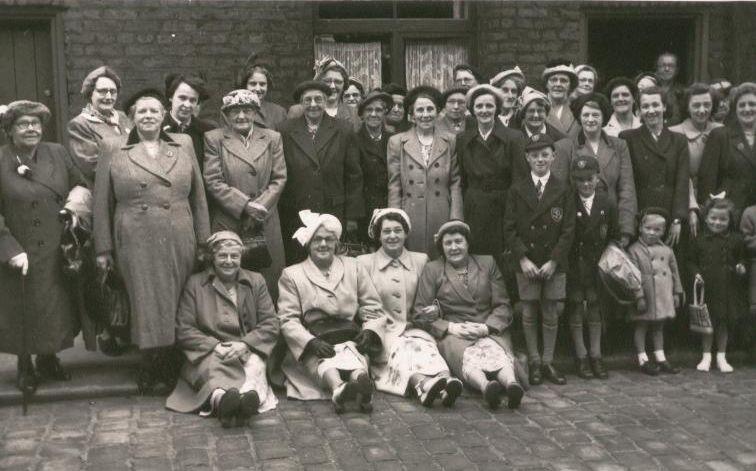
[(718, 258), (662, 291)]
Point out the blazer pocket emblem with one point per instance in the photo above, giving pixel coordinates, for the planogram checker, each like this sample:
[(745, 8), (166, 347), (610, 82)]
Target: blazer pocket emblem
[(556, 214)]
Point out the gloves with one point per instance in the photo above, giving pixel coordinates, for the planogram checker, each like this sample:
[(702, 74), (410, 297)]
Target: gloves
[(20, 261), (368, 343), (320, 348), (641, 305), (104, 263)]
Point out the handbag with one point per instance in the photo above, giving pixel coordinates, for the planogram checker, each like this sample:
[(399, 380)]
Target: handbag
[(700, 320), (331, 329), (620, 276), (255, 253)]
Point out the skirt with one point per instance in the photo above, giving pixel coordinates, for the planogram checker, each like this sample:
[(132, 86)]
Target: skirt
[(256, 380), (486, 355), (413, 352), (347, 358)]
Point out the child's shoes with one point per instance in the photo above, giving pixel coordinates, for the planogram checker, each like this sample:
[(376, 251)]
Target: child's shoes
[(705, 364), (722, 364)]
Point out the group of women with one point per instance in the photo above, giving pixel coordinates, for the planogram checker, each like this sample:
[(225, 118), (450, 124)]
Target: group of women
[(427, 310)]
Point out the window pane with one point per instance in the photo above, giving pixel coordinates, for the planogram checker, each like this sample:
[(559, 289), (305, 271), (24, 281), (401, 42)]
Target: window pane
[(431, 62), (362, 60), (425, 9), (355, 9)]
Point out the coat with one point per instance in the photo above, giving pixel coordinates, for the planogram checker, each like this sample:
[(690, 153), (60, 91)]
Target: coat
[(592, 234), (323, 175), (748, 229), (616, 177), (563, 151), (270, 115), (344, 112), (235, 175), (374, 174), (660, 280), (207, 316), (150, 214), (432, 194), (484, 301), (487, 170), (29, 223), (714, 257), (729, 164), (661, 170), (85, 135), (196, 130), (301, 288), (567, 124), (445, 125), (541, 230)]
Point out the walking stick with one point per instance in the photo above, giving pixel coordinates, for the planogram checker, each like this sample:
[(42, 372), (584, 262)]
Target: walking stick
[(24, 347)]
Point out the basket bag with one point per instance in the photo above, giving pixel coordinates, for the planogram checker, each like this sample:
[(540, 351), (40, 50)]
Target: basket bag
[(700, 320)]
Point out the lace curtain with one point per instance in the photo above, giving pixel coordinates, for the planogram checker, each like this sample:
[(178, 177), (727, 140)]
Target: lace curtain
[(362, 60), (431, 62)]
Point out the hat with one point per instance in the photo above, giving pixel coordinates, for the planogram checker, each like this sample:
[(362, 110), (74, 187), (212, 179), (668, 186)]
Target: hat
[(455, 225), (197, 82), (531, 94), (539, 141), (145, 92), (417, 92), (356, 83), (378, 214), (445, 96), (394, 89), (584, 166), (484, 89), (592, 98), (240, 98), (721, 85), (327, 63), (310, 85), (475, 73), (87, 87), (312, 221), (220, 236), (373, 96), (19, 108), (560, 66), (501, 76)]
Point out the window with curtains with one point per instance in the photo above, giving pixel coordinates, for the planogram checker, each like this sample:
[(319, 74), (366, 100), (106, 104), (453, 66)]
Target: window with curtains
[(361, 59), (431, 62)]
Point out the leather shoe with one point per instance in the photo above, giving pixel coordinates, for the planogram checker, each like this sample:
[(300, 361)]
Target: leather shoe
[(666, 367), (650, 368), (451, 392), (583, 369), (492, 394), (228, 407), (552, 374), (249, 402), (49, 367), (535, 376), (514, 395), (599, 371)]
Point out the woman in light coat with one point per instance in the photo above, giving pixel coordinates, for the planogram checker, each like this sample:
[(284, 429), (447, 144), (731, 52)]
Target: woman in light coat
[(424, 176), (245, 173), (331, 319), (410, 360)]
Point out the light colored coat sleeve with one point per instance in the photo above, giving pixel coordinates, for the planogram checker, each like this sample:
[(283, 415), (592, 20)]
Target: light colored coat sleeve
[(263, 336), (197, 198), (103, 202), (269, 197), (501, 314), (194, 343), (290, 314), (231, 199), (370, 301), (394, 162), (455, 183)]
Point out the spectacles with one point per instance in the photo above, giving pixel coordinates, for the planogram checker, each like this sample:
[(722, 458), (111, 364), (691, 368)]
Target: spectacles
[(33, 124), (105, 91), (319, 240), (315, 99)]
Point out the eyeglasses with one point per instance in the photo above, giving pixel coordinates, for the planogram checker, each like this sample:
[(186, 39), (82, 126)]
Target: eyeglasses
[(105, 91), (318, 100), (374, 110), (328, 240), (29, 124)]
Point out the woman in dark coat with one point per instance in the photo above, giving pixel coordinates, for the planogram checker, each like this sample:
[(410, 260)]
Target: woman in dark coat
[(226, 327), (486, 155), (258, 79), (149, 213), (37, 315)]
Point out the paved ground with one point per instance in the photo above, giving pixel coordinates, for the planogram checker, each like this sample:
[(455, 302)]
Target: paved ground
[(685, 422)]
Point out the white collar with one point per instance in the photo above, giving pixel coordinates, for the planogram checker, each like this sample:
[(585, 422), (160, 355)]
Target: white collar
[(485, 136), (544, 179), (541, 131), (587, 199)]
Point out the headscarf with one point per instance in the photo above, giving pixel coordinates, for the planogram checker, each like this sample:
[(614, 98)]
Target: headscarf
[(378, 213), (312, 221), (516, 71)]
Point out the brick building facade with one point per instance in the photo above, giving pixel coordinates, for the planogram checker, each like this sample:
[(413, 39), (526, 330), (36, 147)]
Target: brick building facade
[(146, 39)]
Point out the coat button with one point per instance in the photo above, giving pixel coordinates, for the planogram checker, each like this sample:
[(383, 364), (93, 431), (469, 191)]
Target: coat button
[(412, 182), (41, 243), (532, 244), (411, 167), (409, 195), (166, 205), (532, 228), (36, 222), (436, 165), (34, 204), (438, 193), (143, 184), (438, 180), (144, 207)]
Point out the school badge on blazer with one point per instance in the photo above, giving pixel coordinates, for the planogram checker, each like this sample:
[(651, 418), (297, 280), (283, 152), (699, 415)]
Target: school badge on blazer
[(556, 214)]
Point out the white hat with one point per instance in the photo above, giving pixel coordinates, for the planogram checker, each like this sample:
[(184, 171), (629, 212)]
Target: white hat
[(507, 73), (312, 221), (378, 213), (531, 94)]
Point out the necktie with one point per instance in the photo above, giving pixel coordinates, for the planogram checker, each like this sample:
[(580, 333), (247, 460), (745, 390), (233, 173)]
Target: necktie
[(539, 189)]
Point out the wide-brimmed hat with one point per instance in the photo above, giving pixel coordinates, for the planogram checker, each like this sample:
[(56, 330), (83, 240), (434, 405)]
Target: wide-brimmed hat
[(240, 98), (16, 109)]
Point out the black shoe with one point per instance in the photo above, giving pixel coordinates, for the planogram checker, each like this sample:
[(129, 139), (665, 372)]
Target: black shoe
[(364, 390), (583, 369), (26, 377), (552, 374), (492, 394), (650, 368), (249, 402), (228, 407), (514, 395), (597, 366), (430, 390), (535, 376), (451, 392), (667, 368), (145, 380), (49, 367)]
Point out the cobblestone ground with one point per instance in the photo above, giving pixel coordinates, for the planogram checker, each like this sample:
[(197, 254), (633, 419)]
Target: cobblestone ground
[(686, 422)]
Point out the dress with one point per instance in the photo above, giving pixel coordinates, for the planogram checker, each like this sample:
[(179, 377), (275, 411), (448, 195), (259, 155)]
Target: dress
[(29, 223), (660, 280), (407, 350), (150, 214)]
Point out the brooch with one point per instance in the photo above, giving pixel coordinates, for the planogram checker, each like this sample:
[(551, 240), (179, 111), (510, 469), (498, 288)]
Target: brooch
[(23, 169)]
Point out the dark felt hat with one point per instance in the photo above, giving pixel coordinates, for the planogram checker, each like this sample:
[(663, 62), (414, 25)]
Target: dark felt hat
[(539, 141), (373, 96), (145, 92), (310, 85), (584, 166)]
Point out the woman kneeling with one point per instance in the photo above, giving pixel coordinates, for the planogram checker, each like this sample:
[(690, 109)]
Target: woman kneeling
[(462, 301), (226, 328)]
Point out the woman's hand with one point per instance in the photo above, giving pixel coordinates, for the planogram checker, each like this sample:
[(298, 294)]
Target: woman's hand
[(228, 351), (529, 269), (674, 234), (21, 262), (462, 330), (256, 211), (740, 269), (693, 223), (428, 314), (366, 313), (104, 263), (320, 348), (641, 305), (548, 269), (478, 329)]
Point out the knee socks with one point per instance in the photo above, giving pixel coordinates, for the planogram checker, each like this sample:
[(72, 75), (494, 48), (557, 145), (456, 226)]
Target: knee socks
[(549, 329), (530, 329)]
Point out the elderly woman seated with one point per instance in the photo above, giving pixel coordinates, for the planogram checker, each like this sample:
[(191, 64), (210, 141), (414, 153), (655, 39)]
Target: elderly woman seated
[(226, 328), (331, 318), (462, 301), (411, 359)]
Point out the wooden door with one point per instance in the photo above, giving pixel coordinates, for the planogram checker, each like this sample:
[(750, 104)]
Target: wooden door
[(26, 66)]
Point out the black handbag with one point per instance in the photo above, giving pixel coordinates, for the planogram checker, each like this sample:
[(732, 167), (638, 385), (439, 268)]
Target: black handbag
[(330, 329), (255, 254)]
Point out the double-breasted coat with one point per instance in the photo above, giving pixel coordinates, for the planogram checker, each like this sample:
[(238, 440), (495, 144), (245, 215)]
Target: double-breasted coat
[(85, 135), (615, 177), (374, 174), (661, 170), (487, 169), (344, 112), (593, 231), (42, 313), (714, 257), (302, 287), (563, 152), (206, 317), (431, 193), (660, 280), (236, 175), (729, 164), (323, 175), (196, 131), (150, 213), (484, 300), (541, 230)]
